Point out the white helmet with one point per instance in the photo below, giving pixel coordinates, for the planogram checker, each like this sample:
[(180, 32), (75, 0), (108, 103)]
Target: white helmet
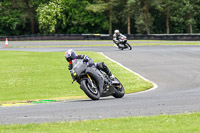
[(116, 31)]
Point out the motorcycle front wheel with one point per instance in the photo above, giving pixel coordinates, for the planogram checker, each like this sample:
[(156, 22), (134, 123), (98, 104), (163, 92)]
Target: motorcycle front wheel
[(119, 90), (91, 91), (129, 46)]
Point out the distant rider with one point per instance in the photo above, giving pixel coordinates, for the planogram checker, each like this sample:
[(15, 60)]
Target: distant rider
[(71, 55), (116, 38)]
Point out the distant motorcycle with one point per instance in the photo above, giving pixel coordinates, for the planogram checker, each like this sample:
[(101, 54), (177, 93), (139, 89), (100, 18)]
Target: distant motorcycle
[(123, 44), (94, 82)]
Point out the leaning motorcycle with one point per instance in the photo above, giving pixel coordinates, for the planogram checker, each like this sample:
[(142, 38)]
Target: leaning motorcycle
[(123, 44), (94, 82)]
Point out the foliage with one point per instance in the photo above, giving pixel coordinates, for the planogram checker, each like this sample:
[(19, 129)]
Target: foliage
[(70, 16), (144, 19), (48, 16), (21, 17), (187, 11), (9, 18)]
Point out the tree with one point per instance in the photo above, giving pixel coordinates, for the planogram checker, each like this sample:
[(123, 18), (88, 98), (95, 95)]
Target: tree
[(70, 16), (129, 9), (105, 6), (184, 14), (28, 11), (190, 9), (48, 16), (9, 18), (24, 17), (166, 6), (144, 20)]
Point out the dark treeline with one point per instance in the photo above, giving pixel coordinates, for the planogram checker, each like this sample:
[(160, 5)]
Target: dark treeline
[(26, 17)]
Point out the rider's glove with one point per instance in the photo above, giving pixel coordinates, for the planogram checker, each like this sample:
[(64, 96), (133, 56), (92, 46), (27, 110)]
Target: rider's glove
[(70, 66), (71, 71), (85, 60)]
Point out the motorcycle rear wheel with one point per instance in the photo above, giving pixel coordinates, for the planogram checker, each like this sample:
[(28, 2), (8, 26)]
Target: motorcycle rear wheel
[(119, 90), (92, 93), (121, 48)]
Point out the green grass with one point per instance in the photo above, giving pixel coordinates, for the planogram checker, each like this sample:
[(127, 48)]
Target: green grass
[(44, 75), (182, 123), (103, 45), (136, 43), (165, 43), (66, 46)]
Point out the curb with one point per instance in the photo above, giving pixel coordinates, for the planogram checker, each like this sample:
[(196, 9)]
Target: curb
[(155, 86)]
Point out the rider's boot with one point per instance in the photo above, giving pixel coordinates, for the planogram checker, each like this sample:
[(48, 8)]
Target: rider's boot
[(112, 77), (121, 48)]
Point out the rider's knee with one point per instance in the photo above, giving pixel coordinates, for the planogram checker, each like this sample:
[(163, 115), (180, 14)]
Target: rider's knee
[(101, 65)]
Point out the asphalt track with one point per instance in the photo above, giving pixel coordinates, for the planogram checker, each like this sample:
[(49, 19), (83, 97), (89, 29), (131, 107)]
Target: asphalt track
[(175, 69)]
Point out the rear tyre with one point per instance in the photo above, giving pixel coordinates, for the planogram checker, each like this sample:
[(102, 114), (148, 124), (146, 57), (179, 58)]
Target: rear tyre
[(119, 90), (91, 92), (129, 46)]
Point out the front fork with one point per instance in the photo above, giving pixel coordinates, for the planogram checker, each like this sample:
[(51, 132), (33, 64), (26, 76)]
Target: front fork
[(91, 81)]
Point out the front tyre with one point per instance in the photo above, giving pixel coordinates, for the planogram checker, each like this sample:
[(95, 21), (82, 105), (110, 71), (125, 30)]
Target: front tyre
[(129, 46), (91, 92), (119, 90)]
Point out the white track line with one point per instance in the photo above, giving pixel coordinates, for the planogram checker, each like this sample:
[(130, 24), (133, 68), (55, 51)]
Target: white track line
[(154, 84)]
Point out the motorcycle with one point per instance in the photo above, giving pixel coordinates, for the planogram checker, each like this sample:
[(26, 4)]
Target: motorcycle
[(123, 44), (94, 82)]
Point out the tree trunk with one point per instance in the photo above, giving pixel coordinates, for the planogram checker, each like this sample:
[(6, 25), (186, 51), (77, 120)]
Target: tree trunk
[(32, 21), (190, 28), (14, 4), (167, 23), (31, 13), (146, 18), (129, 24), (190, 25), (110, 21)]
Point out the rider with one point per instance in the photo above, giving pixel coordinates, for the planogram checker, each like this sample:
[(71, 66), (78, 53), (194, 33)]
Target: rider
[(116, 36), (71, 55)]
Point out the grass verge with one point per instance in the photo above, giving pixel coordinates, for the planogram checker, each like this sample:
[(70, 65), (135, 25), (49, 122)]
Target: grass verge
[(28, 76), (131, 42), (182, 123), (104, 45)]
